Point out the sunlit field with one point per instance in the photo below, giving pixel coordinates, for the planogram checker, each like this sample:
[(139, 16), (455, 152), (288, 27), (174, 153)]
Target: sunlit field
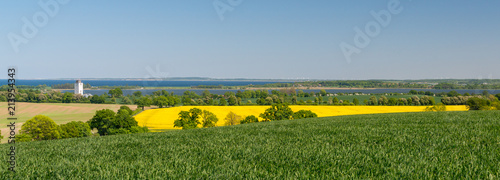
[(164, 118), (61, 113), (423, 145)]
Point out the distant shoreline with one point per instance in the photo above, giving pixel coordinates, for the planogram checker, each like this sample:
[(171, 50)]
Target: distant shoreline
[(251, 88)]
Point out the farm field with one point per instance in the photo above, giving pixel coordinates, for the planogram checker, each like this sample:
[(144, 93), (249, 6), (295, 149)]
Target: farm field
[(164, 118), (59, 112), (422, 145)]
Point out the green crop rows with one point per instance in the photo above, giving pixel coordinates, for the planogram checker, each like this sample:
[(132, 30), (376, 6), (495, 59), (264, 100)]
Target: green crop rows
[(430, 145)]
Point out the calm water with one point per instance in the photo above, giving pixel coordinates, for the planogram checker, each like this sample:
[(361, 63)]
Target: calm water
[(138, 83), (195, 83)]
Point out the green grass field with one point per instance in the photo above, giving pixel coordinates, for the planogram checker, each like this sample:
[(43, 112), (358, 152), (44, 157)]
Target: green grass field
[(428, 145)]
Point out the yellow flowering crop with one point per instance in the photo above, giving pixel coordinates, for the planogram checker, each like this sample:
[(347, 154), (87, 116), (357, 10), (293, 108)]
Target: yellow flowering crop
[(164, 118)]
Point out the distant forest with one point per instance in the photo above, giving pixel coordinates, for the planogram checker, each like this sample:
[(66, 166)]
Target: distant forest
[(383, 84), (414, 84)]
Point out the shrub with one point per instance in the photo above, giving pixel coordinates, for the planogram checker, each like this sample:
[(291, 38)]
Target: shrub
[(476, 103), (41, 127), (103, 121), (232, 119), (438, 107), (75, 129), (277, 112), (302, 114), (208, 119), (249, 119), (108, 122), (138, 129), (188, 119), (23, 138), (119, 131)]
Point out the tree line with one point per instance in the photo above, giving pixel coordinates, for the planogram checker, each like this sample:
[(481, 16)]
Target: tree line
[(163, 98), (196, 118)]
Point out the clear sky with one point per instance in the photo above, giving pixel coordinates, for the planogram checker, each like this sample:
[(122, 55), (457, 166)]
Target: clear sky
[(251, 39)]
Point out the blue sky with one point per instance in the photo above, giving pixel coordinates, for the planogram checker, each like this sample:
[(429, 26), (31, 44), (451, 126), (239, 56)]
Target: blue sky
[(257, 39)]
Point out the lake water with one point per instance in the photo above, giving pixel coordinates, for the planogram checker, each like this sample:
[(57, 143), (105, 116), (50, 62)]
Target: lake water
[(138, 83), (198, 91)]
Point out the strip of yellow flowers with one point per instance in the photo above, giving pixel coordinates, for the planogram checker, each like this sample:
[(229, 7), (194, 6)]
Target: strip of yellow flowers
[(164, 118)]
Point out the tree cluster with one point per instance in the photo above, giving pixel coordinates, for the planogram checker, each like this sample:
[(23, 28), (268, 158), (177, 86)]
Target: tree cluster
[(279, 112), (191, 119), (107, 122), (42, 127)]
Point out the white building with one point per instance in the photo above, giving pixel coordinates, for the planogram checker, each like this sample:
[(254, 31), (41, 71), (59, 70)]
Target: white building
[(79, 87)]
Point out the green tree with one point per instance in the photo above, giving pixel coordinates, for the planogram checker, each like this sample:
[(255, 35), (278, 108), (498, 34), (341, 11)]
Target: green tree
[(205, 93), (126, 100), (114, 131), (322, 92), (383, 100), (232, 119), (269, 101), (97, 99), (161, 101), (486, 93), (103, 121), (476, 103), (335, 100), (127, 109), (117, 92), (277, 112), (392, 101), (67, 97), (137, 129), (143, 102), (188, 119), (294, 100), (75, 129), (222, 102), (137, 93), (372, 100), (232, 101), (453, 94), (124, 119), (302, 114), (41, 127), (438, 107), (355, 101), (23, 138), (208, 119), (249, 119)]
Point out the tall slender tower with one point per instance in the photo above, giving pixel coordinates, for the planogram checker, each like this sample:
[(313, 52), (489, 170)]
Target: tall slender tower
[(78, 87)]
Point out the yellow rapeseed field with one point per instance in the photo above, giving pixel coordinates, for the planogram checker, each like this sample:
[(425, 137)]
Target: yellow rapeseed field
[(164, 118)]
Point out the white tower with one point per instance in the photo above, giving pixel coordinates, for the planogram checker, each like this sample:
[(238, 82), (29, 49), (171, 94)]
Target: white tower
[(78, 87)]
